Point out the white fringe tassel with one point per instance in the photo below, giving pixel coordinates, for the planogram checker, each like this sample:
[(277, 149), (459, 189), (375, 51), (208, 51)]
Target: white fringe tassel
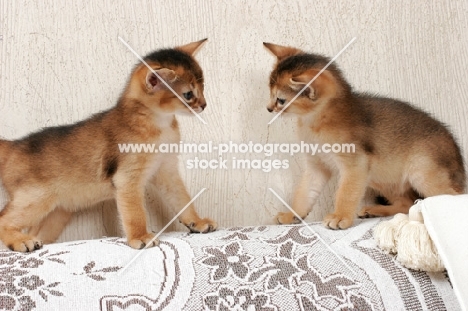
[(407, 236), (386, 233)]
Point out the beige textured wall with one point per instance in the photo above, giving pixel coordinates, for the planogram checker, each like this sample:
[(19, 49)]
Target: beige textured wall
[(62, 61)]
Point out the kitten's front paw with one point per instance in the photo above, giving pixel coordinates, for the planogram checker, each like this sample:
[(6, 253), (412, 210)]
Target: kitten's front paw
[(141, 242), (338, 221), (287, 218), (25, 246), (204, 225)]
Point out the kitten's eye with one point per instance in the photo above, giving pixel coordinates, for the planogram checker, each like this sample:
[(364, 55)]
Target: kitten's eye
[(281, 101), (188, 95)]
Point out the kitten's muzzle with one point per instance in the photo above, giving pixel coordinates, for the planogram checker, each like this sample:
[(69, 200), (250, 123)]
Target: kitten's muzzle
[(271, 107), (199, 107)]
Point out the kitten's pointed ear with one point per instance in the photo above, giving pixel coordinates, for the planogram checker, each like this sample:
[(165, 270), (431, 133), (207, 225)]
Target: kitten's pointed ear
[(324, 85), (303, 78), (153, 83), (192, 48), (281, 52), (298, 83)]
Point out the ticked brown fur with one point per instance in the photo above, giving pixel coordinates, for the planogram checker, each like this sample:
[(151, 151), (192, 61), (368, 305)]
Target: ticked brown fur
[(52, 173), (400, 151)]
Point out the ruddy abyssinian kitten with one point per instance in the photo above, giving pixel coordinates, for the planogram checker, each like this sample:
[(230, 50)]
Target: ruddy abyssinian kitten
[(400, 151), (50, 174)]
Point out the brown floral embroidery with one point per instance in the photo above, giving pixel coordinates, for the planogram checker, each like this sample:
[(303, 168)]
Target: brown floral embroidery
[(97, 275), (24, 303), (31, 282), (278, 273), (242, 233), (227, 299), (31, 263), (15, 282), (231, 259), (52, 257)]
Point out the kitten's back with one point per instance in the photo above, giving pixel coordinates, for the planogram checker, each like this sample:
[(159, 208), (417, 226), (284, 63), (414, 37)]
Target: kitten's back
[(399, 118), (54, 152), (397, 129), (3, 152)]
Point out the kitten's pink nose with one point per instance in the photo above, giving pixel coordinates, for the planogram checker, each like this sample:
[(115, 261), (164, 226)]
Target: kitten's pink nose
[(203, 106), (269, 109)]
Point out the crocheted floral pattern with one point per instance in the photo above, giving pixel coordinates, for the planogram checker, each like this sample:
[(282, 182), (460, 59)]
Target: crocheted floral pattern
[(264, 268), (227, 260)]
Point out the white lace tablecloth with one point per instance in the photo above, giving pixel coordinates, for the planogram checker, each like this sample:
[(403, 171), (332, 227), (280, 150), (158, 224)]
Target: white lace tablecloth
[(250, 268)]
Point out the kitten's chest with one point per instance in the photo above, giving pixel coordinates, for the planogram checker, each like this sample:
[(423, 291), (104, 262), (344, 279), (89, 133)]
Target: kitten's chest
[(168, 130), (161, 152), (320, 145), (307, 136), (169, 136)]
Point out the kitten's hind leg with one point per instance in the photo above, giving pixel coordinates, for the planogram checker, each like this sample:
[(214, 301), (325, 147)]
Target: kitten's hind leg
[(431, 181), (20, 214), (398, 205), (52, 226)]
